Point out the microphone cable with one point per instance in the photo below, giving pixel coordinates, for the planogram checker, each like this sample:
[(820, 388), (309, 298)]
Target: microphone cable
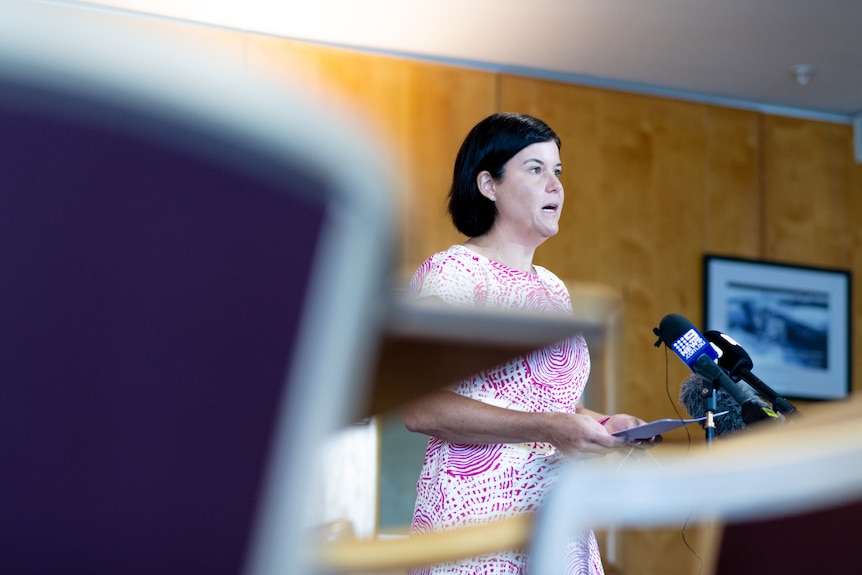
[(673, 403)]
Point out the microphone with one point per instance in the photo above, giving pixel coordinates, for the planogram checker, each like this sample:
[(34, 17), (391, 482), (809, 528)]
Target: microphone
[(738, 364), (697, 353), (691, 397)]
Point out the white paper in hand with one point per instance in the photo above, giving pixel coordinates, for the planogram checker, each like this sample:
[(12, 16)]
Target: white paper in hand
[(658, 427)]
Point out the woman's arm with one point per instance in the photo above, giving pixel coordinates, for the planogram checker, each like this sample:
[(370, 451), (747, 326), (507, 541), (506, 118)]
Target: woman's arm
[(458, 419)]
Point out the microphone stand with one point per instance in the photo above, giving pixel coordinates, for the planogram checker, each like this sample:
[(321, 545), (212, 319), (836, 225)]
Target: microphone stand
[(707, 392)]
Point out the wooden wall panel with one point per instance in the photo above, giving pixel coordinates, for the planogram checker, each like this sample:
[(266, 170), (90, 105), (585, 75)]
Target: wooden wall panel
[(438, 124), (367, 86), (813, 204), (422, 110), (370, 89), (733, 222), (807, 191)]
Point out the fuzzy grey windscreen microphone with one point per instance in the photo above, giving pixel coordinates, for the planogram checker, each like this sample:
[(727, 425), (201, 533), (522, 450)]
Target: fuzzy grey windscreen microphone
[(691, 399)]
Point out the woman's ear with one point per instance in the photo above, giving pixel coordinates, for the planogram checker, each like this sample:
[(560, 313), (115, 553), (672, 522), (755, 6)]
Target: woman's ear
[(485, 183)]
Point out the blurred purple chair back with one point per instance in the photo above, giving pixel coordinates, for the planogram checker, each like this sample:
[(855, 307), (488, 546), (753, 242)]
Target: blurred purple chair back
[(819, 541), (172, 271)]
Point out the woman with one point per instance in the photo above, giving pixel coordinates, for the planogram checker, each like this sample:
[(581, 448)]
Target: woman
[(495, 437)]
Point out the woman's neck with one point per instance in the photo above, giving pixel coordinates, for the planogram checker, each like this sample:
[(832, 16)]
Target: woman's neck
[(509, 254)]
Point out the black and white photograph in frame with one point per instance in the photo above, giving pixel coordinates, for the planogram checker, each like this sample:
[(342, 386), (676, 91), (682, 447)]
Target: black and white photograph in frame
[(794, 322)]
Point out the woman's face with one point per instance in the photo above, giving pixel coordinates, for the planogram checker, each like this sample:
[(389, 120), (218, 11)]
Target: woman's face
[(529, 197)]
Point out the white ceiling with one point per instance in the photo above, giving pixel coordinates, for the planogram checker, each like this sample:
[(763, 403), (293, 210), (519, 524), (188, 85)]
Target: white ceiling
[(737, 52)]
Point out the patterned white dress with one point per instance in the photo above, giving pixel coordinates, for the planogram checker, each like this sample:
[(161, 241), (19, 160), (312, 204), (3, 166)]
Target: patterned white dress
[(471, 484)]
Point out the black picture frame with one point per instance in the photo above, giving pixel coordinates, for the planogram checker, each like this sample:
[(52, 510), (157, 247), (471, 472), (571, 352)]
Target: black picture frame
[(793, 320)]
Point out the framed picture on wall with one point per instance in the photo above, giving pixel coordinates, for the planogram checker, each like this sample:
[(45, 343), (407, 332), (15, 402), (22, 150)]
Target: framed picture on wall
[(794, 322)]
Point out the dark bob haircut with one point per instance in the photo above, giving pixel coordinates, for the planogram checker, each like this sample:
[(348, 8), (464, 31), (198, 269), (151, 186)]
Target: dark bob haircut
[(489, 145)]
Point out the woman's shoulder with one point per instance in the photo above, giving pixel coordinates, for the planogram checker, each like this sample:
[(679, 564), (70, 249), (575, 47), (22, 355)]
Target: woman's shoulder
[(456, 256), (456, 252), (446, 270), (548, 276), (553, 284)]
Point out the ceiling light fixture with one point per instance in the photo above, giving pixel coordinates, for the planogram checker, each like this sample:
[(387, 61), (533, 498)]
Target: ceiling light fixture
[(803, 73)]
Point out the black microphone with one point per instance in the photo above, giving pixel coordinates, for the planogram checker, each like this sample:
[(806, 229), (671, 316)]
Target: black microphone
[(697, 353), (738, 364)]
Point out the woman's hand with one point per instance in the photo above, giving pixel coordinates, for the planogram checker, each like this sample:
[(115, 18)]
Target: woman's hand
[(580, 436)]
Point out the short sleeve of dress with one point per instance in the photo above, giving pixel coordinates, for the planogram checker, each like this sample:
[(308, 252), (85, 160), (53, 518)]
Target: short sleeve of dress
[(556, 287), (455, 276)]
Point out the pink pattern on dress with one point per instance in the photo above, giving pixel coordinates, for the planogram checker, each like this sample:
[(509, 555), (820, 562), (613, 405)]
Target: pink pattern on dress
[(471, 484)]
